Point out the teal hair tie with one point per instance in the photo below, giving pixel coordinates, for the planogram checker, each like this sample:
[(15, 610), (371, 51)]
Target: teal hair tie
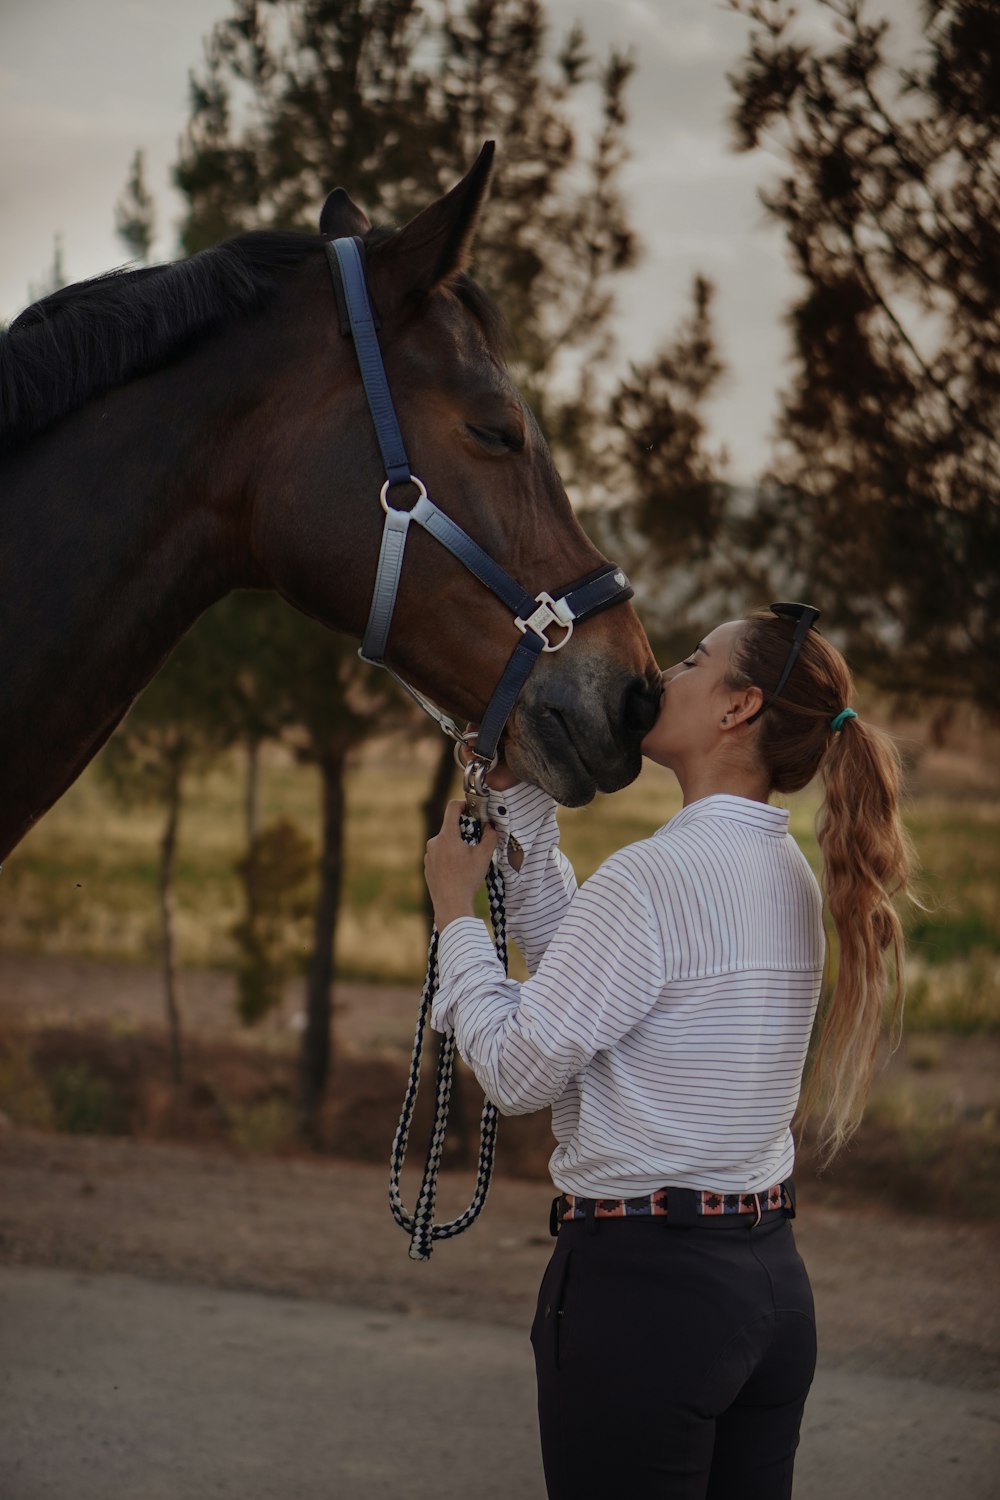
[(838, 723)]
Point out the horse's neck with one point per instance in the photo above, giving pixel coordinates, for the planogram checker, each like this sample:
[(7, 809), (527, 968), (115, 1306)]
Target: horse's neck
[(114, 550)]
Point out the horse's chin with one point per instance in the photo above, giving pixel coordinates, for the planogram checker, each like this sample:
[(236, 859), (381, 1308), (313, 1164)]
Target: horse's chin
[(551, 759)]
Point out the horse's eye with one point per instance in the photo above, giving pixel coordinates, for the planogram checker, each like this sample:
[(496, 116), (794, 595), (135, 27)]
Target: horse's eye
[(495, 439)]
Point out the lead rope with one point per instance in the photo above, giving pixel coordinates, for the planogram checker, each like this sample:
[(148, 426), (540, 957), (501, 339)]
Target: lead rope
[(420, 1224)]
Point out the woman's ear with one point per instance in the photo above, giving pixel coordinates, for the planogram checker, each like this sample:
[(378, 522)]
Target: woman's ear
[(742, 705)]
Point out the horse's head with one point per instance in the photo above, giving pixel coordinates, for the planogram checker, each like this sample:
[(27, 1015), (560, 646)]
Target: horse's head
[(577, 726)]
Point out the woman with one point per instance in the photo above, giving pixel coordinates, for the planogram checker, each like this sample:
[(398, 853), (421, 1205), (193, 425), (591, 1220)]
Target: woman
[(666, 1022)]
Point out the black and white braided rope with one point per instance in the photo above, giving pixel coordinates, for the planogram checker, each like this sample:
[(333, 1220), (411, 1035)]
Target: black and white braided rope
[(420, 1224)]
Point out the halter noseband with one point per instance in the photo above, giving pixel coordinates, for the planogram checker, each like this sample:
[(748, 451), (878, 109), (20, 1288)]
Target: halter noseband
[(534, 615)]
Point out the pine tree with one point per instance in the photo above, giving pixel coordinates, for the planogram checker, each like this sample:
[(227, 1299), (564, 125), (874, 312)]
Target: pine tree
[(177, 727), (135, 217), (307, 688), (55, 275), (679, 527), (392, 100), (884, 500)]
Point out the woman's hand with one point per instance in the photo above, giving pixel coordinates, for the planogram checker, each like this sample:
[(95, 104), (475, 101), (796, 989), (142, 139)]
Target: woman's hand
[(455, 870)]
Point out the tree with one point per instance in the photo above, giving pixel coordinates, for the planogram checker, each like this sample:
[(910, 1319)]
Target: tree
[(135, 216), (255, 633), (275, 872), (176, 727), (392, 99), (680, 529), (326, 706), (884, 499), (55, 275)]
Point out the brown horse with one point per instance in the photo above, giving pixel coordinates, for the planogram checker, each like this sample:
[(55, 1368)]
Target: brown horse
[(172, 433)]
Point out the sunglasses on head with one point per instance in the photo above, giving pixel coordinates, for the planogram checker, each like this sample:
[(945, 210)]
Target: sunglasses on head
[(807, 617)]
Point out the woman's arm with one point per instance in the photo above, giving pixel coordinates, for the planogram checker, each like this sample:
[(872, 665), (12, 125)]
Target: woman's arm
[(603, 971), (538, 878)]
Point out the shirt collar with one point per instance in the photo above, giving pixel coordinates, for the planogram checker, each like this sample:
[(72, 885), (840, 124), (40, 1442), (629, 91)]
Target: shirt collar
[(743, 810)]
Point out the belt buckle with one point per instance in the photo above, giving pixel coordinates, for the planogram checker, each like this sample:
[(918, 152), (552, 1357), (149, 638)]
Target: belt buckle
[(760, 1211)]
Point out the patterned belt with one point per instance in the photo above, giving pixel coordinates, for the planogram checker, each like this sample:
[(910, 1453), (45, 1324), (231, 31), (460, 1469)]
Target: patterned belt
[(681, 1204)]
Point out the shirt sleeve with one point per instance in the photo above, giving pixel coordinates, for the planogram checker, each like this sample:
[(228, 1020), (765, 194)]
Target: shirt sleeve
[(603, 971), (539, 893)]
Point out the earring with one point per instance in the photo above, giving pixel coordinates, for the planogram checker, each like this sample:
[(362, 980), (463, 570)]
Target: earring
[(725, 718)]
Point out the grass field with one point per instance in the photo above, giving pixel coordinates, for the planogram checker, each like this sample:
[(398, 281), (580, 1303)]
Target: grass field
[(84, 882), (84, 885)]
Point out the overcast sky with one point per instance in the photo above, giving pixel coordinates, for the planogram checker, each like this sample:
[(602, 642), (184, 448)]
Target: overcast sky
[(83, 84)]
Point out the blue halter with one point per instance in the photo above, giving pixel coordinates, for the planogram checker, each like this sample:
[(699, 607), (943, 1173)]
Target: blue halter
[(533, 614)]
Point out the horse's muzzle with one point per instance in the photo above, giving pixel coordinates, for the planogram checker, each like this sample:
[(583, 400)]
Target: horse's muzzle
[(576, 733)]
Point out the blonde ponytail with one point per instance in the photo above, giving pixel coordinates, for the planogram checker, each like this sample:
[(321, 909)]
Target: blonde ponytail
[(866, 867), (866, 855)]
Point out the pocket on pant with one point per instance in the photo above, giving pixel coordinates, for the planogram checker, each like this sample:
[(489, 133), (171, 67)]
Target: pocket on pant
[(547, 1328)]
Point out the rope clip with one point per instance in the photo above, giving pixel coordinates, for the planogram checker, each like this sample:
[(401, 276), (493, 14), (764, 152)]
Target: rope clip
[(477, 793)]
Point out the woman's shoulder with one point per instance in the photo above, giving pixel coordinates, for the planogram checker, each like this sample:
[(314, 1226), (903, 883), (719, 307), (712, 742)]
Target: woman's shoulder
[(642, 864), (713, 840)]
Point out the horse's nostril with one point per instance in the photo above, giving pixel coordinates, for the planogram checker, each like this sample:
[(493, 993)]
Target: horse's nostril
[(639, 706)]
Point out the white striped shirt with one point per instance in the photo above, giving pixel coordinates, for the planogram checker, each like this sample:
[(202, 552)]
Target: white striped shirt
[(671, 1000)]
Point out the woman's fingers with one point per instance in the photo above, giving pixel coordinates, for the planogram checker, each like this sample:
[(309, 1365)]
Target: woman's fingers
[(455, 869)]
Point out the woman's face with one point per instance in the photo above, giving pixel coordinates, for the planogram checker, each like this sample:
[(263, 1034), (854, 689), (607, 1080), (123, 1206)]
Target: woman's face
[(695, 701)]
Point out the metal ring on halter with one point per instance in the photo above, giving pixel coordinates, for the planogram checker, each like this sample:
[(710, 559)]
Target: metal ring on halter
[(384, 493), (464, 742)]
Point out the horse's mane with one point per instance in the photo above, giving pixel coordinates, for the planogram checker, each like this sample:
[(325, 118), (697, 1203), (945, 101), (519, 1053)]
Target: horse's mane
[(93, 335), (97, 334)]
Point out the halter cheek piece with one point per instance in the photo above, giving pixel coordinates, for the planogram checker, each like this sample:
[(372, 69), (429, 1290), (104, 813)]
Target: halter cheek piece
[(534, 615)]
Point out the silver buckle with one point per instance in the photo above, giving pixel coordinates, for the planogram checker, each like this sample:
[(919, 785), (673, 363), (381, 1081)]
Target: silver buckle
[(549, 612)]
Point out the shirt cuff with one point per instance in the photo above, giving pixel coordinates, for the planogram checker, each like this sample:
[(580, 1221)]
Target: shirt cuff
[(521, 812)]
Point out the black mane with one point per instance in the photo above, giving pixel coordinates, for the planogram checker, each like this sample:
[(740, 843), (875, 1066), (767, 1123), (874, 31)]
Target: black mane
[(89, 337), (97, 334)]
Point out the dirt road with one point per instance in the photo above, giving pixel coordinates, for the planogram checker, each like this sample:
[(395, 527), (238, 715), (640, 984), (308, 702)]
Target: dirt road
[(136, 1270), (122, 1388)]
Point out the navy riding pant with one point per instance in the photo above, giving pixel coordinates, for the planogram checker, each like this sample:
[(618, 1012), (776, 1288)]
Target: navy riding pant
[(673, 1361)]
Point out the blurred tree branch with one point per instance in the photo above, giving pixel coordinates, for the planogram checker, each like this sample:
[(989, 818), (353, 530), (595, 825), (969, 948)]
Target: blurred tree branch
[(884, 496)]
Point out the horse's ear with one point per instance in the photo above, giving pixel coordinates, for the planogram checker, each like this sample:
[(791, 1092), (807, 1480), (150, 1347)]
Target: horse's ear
[(341, 217), (435, 245)]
